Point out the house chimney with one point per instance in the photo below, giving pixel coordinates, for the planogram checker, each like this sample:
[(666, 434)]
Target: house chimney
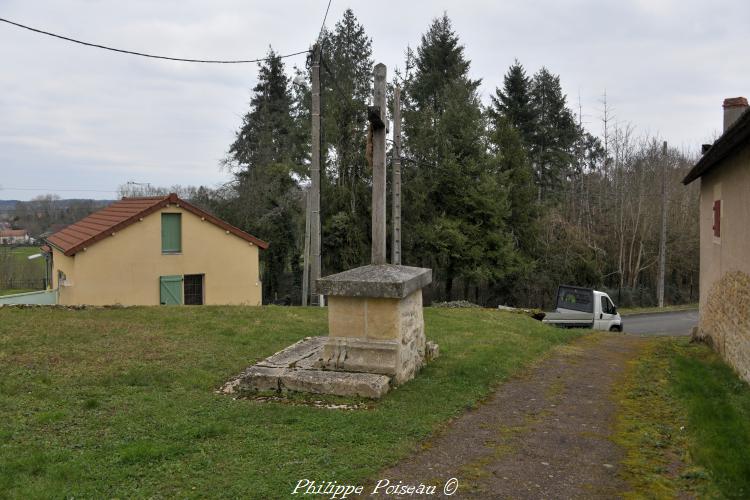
[(733, 109)]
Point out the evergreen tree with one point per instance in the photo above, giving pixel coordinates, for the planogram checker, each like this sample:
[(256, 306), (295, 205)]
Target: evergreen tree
[(345, 89), (513, 103), (266, 200), (454, 200), (512, 160), (267, 130), (555, 134)]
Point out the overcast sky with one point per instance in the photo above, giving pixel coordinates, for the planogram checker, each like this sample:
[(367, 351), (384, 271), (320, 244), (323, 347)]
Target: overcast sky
[(79, 121)]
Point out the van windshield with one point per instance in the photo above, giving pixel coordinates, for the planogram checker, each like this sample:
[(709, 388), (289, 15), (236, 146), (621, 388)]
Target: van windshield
[(577, 299)]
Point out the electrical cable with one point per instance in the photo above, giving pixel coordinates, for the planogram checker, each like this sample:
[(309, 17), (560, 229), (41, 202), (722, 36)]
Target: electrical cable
[(323, 24), (153, 56)]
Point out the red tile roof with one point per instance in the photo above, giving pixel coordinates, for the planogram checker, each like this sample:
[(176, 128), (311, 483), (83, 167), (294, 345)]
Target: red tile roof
[(13, 232), (125, 212)]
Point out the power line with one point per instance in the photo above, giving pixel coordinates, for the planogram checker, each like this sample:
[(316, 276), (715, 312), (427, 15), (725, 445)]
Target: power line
[(323, 24), (152, 56)]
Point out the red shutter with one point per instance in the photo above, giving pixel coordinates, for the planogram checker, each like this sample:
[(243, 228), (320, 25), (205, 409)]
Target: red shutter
[(717, 218)]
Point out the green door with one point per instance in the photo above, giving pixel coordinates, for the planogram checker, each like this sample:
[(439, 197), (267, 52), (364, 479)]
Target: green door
[(170, 290)]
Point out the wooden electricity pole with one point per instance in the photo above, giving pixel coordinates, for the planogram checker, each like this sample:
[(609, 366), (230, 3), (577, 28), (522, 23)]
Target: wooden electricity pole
[(663, 236), (315, 178), (377, 118), (396, 181)]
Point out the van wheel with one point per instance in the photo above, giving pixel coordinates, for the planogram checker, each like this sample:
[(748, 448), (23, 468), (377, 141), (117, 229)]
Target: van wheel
[(615, 328)]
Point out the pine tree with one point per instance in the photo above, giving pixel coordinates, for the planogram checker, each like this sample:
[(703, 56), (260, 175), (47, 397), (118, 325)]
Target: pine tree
[(267, 130), (345, 87), (555, 134), (513, 103), (512, 160), (454, 200), (266, 198)]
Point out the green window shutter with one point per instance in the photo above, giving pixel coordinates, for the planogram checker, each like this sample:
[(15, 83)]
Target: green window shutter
[(170, 290), (171, 232)]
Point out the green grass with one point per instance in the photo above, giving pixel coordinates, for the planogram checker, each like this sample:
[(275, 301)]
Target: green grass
[(24, 252), (684, 423), (20, 268), (718, 410), (625, 311), (121, 403)]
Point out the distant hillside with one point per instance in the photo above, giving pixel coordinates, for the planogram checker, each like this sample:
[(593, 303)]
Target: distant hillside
[(7, 205), (41, 216)]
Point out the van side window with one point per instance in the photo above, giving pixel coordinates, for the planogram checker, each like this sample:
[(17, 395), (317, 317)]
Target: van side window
[(607, 306)]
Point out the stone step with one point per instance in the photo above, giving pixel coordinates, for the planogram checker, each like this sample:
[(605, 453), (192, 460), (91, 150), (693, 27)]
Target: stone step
[(262, 378)]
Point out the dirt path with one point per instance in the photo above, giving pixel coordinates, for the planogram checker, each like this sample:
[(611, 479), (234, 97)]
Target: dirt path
[(543, 435)]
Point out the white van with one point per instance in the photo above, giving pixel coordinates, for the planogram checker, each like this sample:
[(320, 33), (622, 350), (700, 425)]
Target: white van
[(584, 308)]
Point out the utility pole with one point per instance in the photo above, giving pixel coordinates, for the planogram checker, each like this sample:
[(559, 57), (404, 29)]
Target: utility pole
[(377, 117), (396, 181), (315, 177), (663, 237), (306, 256)]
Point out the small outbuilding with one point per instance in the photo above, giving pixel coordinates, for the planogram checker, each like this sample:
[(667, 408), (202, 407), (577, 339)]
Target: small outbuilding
[(151, 251), (724, 173), (14, 237)]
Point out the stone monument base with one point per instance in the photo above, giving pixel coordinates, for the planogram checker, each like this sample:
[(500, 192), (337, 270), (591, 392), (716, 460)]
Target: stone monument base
[(296, 368), (376, 338)]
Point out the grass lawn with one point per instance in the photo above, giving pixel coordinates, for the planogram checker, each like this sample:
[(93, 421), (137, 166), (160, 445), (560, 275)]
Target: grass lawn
[(120, 402), (22, 254), (21, 271), (685, 424)]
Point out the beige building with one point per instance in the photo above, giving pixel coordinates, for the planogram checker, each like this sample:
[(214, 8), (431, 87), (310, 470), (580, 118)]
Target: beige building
[(150, 251), (724, 173), (14, 237)]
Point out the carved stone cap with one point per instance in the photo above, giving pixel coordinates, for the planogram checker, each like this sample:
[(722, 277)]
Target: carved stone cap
[(387, 281)]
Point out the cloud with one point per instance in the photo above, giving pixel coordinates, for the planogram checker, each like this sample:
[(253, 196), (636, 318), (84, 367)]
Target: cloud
[(72, 116)]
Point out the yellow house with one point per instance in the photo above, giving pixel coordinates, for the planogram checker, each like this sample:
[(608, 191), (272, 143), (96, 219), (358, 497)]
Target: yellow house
[(150, 251), (724, 175)]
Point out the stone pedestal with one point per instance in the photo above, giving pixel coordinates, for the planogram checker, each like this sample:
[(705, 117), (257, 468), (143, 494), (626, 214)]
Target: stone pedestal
[(375, 322)]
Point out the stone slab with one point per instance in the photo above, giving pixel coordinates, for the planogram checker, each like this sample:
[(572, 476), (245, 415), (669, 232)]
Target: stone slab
[(297, 368), (366, 385), (386, 280), (301, 354)]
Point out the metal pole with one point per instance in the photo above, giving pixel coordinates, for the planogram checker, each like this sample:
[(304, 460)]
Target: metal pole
[(315, 176), (378, 118), (396, 181)]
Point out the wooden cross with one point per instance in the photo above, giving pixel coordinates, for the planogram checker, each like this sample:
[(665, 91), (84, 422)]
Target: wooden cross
[(377, 116)]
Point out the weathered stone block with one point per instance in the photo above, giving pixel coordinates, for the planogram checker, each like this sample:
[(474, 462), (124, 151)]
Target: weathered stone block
[(260, 378), (360, 355), (302, 354), (385, 281), (294, 369), (367, 385), (383, 318), (392, 342), (347, 317)]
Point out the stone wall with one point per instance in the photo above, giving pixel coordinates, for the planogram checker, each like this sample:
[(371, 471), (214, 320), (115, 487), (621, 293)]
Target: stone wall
[(725, 320), (412, 352)]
